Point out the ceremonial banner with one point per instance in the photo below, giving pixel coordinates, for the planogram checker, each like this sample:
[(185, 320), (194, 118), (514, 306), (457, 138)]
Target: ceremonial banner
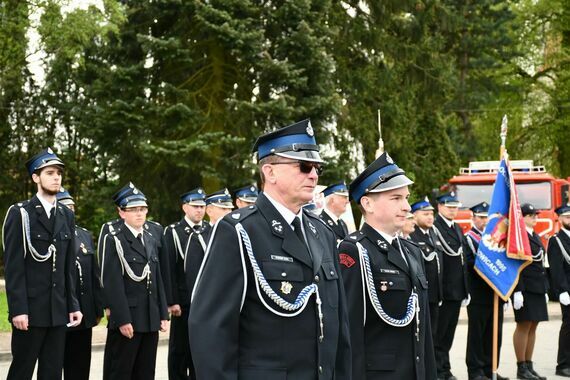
[(504, 250)]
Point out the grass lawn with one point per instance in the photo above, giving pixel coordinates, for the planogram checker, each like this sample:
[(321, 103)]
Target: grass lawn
[(4, 324)]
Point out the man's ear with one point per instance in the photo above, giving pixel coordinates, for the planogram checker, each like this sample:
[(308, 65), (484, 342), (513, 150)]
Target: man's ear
[(269, 173)]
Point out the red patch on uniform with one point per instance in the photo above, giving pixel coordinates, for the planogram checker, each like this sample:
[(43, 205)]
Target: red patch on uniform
[(346, 260)]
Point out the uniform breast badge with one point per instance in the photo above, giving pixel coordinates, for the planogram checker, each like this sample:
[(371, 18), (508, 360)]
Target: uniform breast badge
[(383, 286), (286, 287)]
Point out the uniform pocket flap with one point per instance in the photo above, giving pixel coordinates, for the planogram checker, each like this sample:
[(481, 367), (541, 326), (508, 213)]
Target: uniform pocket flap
[(273, 270), (394, 282), (423, 281), (39, 235), (64, 235), (330, 271)]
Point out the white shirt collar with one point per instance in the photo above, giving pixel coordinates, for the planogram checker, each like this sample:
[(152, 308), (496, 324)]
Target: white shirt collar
[(565, 230), (387, 237), (46, 205), (529, 230), (191, 223), (425, 231), (134, 230), (447, 221), (287, 214), (331, 215)]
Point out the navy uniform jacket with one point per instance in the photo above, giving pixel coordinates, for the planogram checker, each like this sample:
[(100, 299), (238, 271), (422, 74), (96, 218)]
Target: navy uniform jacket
[(455, 272), (88, 284), (195, 252), (340, 229), (141, 303), (175, 254), (46, 293), (559, 262), (379, 350), (434, 272), (234, 335), (533, 278)]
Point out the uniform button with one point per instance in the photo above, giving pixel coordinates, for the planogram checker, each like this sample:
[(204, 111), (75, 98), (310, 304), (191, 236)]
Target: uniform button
[(320, 369), (317, 278), (390, 283), (54, 240), (418, 359), (283, 274), (332, 272), (54, 285)]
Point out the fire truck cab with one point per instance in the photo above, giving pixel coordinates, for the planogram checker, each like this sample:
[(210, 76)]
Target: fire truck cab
[(474, 184)]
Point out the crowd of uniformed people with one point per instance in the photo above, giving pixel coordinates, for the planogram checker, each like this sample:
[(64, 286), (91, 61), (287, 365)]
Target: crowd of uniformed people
[(267, 289)]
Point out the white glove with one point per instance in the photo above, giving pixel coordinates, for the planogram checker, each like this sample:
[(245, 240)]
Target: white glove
[(518, 300), (546, 297), (466, 301), (564, 298), (506, 306)]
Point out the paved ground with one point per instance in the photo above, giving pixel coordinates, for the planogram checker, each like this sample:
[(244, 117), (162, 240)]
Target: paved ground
[(544, 355)]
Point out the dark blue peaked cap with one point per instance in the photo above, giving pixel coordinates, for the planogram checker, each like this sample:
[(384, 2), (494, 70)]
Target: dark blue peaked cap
[(528, 209), (220, 198), (449, 199), (563, 210), (129, 196), (338, 188), (381, 175), (480, 209), (296, 141), (195, 197), (247, 193), (64, 197), (44, 158), (423, 205)]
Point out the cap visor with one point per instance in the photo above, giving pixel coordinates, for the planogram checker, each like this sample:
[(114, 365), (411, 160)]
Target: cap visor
[(136, 203), (223, 205), (393, 183), (303, 155), (196, 203)]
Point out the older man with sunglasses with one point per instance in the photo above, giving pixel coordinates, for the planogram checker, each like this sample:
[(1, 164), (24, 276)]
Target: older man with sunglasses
[(269, 303)]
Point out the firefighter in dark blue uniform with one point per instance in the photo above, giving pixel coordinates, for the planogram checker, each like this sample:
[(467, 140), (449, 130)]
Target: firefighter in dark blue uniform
[(455, 291), (432, 253), (134, 291), (246, 196), (480, 308), (336, 200), (38, 236), (385, 282), (530, 299), (218, 204), (269, 302), (77, 362), (176, 241), (559, 259)]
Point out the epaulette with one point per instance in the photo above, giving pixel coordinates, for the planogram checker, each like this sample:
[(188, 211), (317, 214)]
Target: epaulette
[(355, 236), (113, 222), (155, 223), (115, 231), (21, 204), (240, 214), (81, 228)]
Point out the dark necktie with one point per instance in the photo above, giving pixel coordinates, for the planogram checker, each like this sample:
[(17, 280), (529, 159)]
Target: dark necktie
[(196, 227), (396, 244), (140, 239), (51, 213), (298, 230)]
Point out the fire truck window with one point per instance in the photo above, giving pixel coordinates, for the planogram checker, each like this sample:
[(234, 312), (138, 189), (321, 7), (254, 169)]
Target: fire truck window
[(539, 194)]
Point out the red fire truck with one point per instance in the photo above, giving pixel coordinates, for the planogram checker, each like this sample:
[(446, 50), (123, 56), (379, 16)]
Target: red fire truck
[(474, 184)]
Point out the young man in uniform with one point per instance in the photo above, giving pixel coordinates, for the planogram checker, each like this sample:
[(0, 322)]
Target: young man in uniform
[(480, 309), (77, 363), (336, 200), (38, 236), (246, 196), (432, 254), (559, 259), (385, 282), (175, 244), (134, 292), (269, 303), (455, 292)]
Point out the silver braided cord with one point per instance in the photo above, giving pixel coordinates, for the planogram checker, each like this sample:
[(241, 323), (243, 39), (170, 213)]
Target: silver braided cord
[(35, 254), (412, 308), (177, 243), (446, 248), (145, 275), (302, 299), (563, 250)]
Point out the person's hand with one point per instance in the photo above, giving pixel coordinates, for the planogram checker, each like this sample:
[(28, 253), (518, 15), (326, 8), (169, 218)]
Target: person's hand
[(75, 318), (466, 301), (518, 300), (107, 312), (506, 306), (564, 299), (127, 330), (20, 322), (164, 325), (175, 310), (546, 297)]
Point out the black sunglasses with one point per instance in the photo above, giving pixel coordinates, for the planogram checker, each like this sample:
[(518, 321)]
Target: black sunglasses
[(304, 166)]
